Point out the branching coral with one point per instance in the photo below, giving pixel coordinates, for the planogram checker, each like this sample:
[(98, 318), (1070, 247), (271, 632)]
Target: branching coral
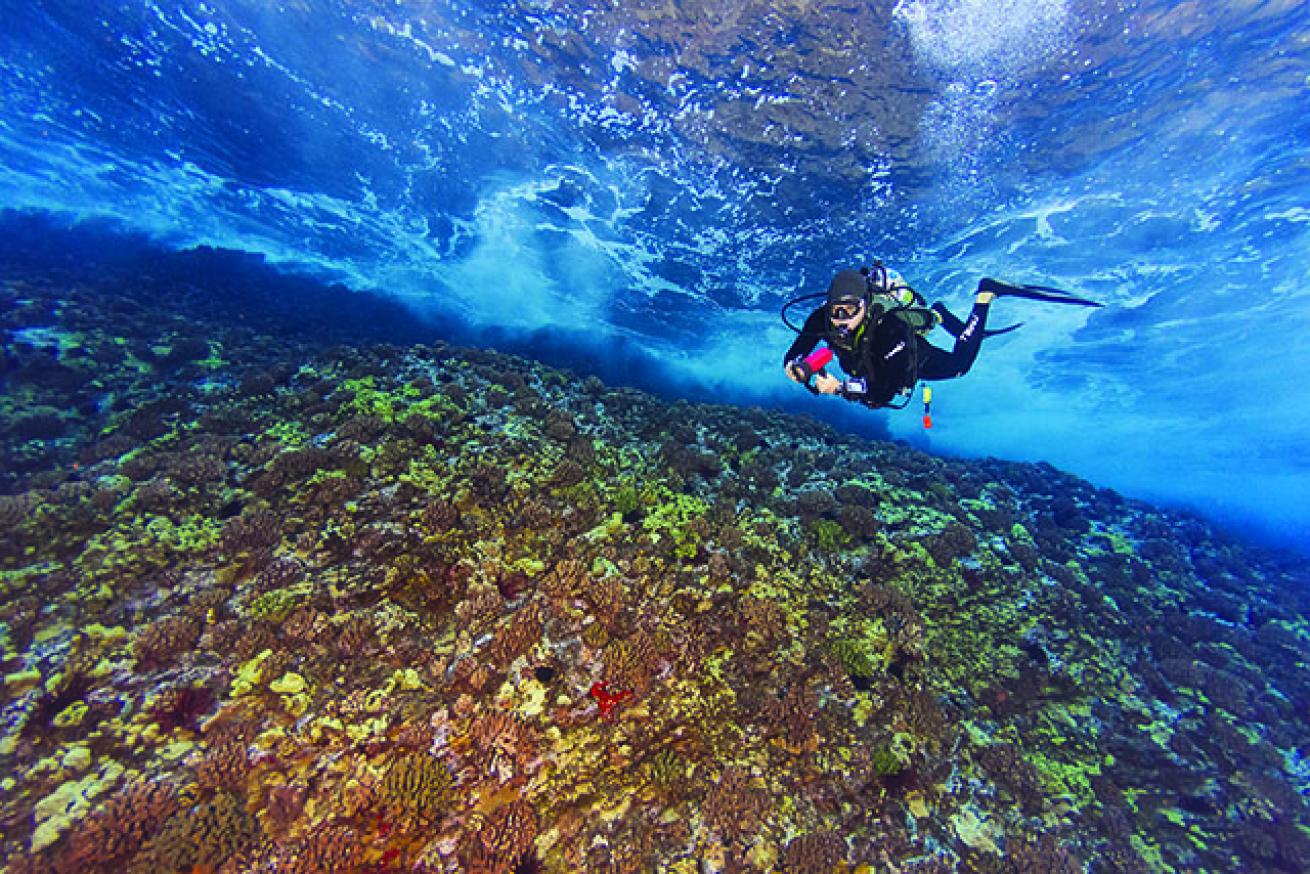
[(114, 832), (224, 764), (708, 579), (523, 631), (165, 639), (736, 806), (500, 744), (203, 836), (417, 786), (794, 716), (607, 598), (252, 532), (565, 578), (630, 663), (333, 850), (503, 838), (667, 772), (814, 853), (182, 707)]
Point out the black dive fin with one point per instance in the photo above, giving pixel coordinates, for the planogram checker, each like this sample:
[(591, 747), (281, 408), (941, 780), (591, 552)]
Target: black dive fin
[(1007, 329), (1034, 292)]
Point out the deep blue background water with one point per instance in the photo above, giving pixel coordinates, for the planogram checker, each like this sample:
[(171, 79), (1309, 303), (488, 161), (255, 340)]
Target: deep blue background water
[(649, 181)]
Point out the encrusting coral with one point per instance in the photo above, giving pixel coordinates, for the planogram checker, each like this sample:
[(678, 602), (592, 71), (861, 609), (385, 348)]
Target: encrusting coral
[(381, 608)]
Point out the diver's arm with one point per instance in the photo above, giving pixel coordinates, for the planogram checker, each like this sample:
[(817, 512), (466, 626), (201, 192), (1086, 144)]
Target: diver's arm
[(811, 333)]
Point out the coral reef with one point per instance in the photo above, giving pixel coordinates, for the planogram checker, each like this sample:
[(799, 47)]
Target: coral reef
[(297, 605)]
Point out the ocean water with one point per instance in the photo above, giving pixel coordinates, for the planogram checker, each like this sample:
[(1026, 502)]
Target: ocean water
[(398, 472), (650, 183)]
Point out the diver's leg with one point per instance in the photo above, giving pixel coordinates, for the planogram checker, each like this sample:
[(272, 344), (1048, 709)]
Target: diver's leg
[(935, 363), (995, 288), (952, 325), (949, 320)]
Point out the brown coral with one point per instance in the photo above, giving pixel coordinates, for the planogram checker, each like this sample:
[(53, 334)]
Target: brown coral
[(278, 574), (306, 624), (565, 579), (181, 707), (224, 765), (333, 850), (164, 639), (206, 835), (504, 838), (794, 716), (439, 516), (765, 622), (735, 806), (607, 598), (1005, 764), (283, 806), (630, 663), (252, 532), (500, 742), (356, 636), (114, 832), (815, 853), (478, 607), (523, 631), (417, 786)]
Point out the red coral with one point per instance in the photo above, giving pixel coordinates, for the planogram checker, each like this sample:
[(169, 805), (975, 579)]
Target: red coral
[(606, 700)]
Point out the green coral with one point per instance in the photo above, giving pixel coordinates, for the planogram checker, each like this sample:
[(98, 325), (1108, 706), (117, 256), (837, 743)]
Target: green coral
[(886, 763), (829, 535), (627, 500), (367, 400), (274, 605), (397, 405), (675, 518), (863, 647), (289, 432), (855, 658), (666, 770)]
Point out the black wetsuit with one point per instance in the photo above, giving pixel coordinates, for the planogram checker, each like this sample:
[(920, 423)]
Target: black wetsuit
[(891, 356)]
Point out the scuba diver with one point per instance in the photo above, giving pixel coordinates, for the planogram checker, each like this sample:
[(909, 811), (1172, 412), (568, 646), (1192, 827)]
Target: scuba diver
[(875, 324)]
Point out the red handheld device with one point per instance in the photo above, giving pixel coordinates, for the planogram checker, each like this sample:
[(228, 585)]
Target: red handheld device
[(818, 359)]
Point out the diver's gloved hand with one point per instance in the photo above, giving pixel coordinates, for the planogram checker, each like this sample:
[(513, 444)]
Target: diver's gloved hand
[(800, 370), (827, 384)]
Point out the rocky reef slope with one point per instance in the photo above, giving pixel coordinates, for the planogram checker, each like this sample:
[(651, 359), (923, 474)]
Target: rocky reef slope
[(273, 605)]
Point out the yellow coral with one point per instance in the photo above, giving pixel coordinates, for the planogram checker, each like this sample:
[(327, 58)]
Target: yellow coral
[(70, 803), (71, 715), (20, 681), (250, 674)]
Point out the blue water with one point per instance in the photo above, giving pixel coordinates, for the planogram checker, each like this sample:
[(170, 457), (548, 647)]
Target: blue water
[(652, 180)]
